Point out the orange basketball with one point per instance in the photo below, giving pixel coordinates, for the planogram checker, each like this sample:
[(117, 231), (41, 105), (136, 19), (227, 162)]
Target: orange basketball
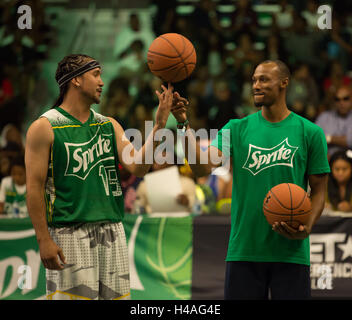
[(287, 202), (171, 57)]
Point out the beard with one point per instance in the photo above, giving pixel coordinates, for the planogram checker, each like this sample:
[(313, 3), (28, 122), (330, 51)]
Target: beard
[(258, 104), (263, 102), (96, 100), (91, 98)]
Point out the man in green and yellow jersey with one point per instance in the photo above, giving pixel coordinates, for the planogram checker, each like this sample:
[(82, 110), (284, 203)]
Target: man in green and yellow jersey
[(74, 194)]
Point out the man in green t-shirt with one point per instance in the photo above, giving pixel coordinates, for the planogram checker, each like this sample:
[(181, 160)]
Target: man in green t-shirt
[(74, 194), (270, 147)]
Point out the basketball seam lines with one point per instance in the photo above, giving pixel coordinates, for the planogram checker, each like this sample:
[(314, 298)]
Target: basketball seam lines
[(286, 214), (174, 65), (171, 57), (180, 54), (184, 64), (289, 189), (304, 198), (284, 205), (163, 55), (278, 200)]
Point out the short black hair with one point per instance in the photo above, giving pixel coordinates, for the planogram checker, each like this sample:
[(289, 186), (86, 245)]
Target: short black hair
[(282, 66)]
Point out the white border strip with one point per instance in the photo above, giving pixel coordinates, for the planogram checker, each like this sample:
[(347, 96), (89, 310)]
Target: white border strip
[(15, 235)]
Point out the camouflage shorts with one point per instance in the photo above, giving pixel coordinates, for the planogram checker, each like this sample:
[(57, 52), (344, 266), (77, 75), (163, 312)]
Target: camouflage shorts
[(97, 263)]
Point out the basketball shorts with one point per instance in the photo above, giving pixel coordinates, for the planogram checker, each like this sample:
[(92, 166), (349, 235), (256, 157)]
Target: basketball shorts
[(97, 266)]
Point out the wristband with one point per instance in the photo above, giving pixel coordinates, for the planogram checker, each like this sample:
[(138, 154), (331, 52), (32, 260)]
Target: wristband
[(182, 125)]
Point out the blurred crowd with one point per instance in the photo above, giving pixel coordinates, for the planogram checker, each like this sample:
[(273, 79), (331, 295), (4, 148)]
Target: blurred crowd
[(229, 45)]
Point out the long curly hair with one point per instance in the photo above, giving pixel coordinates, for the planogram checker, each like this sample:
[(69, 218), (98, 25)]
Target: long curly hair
[(65, 66)]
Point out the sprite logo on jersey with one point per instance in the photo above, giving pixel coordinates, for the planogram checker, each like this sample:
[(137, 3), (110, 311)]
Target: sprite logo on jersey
[(83, 157), (259, 158)]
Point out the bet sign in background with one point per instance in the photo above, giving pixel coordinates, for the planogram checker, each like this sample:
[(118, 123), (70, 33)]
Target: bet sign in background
[(331, 258)]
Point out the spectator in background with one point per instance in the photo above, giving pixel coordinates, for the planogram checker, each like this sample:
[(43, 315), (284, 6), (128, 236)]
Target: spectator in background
[(5, 166), (133, 62), (284, 18), (204, 20), (302, 93), (215, 55), (13, 191), (333, 81), (274, 47), (129, 184), (336, 44), (144, 104), (129, 34), (6, 87), (246, 106), (245, 51), (205, 199), (302, 46), (220, 106), (186, 198), (11, 150), (8, 153), (224, 198), (118, 101), (339, 195), (244, 19), (337, 123), (311, 15), (164, 16), (11, 134)]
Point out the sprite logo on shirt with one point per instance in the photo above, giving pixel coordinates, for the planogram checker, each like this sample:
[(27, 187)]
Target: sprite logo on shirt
[(83, 157), (259, 158)]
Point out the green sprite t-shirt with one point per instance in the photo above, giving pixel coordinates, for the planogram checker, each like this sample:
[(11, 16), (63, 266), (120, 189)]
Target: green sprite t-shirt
[(265, 154)]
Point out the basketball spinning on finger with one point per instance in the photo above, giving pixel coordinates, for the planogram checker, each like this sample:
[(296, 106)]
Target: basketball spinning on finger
[(171, 57), (289, 203)]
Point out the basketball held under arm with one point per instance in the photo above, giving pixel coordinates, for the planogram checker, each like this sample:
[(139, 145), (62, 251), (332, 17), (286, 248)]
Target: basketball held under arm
[(318, 184)]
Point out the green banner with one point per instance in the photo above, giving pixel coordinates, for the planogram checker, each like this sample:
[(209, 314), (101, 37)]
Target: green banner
[(160, 253), (22, 275)]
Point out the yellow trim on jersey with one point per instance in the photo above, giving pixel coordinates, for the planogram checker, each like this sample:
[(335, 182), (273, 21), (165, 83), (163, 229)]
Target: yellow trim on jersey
[(10, 193), (78, 125), (51, 205), (68, 126), (99, 124)]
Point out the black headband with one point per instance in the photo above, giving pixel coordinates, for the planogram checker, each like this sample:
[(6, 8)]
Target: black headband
[(86, 67)]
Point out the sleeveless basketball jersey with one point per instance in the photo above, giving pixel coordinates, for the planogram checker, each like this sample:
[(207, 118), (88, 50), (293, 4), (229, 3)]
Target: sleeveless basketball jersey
[(83, 183), (265, 154)]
